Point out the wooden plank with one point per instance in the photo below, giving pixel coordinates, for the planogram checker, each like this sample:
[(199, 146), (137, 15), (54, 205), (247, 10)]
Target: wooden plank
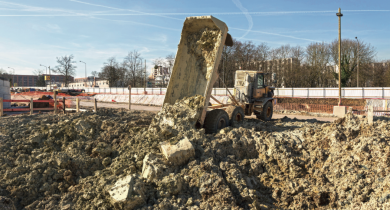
[(17, 110), (1, 107), (129, 97), (44, 109), (77, 104), (55, 101), (63, 105), (31, 106), (28, 101)]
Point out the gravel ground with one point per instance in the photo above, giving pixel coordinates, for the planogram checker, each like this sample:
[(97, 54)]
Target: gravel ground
[(72, 161)]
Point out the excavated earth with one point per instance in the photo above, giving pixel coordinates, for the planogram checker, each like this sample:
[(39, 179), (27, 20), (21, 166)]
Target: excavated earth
[(72, 161)]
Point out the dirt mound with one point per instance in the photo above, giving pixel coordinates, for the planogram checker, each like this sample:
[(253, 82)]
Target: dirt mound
[(326, 101), (74, 161)]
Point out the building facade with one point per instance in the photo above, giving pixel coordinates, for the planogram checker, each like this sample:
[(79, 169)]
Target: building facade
[(159, 77), (31, 80), (88, 82)]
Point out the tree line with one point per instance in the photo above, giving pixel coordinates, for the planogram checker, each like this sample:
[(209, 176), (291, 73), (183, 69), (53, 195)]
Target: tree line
[(314, 65), (131, 71), (310, 66)]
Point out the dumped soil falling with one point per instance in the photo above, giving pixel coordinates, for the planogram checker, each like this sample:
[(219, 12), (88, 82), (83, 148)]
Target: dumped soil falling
[(203, 45)]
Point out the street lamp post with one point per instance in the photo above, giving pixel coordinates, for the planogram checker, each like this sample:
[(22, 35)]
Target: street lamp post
[(49, 79), (13, 76), (339, 15), (357, 61), (86, 79)]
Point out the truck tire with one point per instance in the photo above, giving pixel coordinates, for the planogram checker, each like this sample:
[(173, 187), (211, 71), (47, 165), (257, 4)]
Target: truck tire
[(267, 112), (236, 114), (216, 120)]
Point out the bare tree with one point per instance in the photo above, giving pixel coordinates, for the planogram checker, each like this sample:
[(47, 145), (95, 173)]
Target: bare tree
[(5, 75), (38, 71), (111, 72), (362, 52), (317, 60), (41, 78), (159, 62), (94, 73), (66, 67), (170, 60), (135, 71)]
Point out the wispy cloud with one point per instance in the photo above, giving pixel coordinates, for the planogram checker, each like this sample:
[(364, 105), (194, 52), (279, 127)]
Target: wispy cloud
[(281, 35), (162, 38), (248, 17), (118, 9), (70, 13), (24, 7), (51, 28)]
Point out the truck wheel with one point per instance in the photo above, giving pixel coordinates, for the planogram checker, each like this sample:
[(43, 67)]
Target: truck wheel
[(236, 114), (216, 120), (267, 112)]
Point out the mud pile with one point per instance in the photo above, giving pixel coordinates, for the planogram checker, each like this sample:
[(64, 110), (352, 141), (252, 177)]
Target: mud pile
[(204, 45), (75, 161), (172, 120)]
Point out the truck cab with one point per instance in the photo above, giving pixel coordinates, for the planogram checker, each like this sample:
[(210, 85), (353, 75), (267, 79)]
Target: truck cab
[(251, 90)]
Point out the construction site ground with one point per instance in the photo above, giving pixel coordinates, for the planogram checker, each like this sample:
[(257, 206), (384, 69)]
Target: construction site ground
[(157, 109), (80, 160)]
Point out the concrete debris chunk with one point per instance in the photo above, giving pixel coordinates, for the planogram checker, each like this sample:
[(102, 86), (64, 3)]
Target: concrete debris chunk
[(82, 126), (153, 167), (170, 185), (178, 154), (128, 192)]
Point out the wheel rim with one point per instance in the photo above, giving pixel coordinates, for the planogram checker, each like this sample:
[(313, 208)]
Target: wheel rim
[(221, 123), (269, 112), (238, 117)]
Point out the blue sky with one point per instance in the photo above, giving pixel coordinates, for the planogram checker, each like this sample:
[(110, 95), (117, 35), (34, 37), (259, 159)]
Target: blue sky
[(35, 32)]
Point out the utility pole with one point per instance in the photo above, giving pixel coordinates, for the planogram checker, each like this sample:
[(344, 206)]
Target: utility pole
[(145, 78), (357, 62), (86, 79), (339, 15)]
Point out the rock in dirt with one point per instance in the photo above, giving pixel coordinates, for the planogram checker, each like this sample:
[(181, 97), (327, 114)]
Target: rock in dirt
[(128, 192), (178, 154), (153, 167)]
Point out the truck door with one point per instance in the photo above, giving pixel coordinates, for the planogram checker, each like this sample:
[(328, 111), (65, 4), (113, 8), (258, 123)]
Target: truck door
[(259, 88)]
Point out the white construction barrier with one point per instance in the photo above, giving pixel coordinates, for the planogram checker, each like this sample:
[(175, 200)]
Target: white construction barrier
[(5, 93), (150, 100)]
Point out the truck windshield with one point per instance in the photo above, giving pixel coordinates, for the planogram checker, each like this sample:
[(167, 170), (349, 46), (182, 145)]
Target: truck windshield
[(260, 80)]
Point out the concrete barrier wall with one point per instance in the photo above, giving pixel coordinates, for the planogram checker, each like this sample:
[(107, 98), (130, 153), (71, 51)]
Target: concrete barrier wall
[(150, 100), (5, 93), (367, 92)]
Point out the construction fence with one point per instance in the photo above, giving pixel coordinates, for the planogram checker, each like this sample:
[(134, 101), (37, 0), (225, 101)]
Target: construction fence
[(367, 92), (363, 92)]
